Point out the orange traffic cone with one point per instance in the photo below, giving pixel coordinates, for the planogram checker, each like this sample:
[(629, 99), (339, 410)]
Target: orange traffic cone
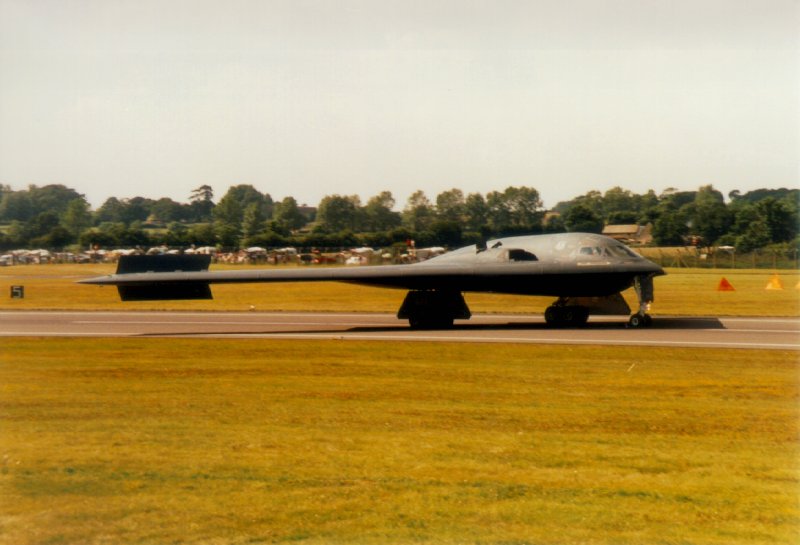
[(774, 283), (724, 285)]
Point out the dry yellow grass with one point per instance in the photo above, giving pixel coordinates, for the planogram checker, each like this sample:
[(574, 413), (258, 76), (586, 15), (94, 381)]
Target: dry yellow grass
[(230, 442), (681, 292)]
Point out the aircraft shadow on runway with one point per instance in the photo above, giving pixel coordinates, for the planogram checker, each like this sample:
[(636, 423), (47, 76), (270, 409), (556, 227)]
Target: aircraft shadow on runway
[(658, 323), (666, 323)]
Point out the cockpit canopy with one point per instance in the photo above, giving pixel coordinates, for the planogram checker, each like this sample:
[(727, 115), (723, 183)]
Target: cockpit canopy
[(557, 248)]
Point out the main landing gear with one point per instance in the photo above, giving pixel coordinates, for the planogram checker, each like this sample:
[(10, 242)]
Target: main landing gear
[(560, 314), (433, 309)]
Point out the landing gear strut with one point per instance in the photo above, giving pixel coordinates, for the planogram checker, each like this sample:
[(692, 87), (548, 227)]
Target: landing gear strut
[(644, 292)]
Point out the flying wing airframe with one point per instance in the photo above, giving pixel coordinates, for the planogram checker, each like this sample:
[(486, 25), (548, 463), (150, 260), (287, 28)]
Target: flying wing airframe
[(585, 272)]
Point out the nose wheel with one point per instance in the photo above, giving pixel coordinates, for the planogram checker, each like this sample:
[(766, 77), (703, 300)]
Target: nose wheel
[(640, 320)]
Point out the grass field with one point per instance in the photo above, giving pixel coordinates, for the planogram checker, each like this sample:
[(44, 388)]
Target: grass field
[(231, 442), (153, 441), (690, 292)]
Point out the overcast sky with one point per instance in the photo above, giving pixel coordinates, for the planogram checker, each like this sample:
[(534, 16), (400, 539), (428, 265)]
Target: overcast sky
[(308, 98)]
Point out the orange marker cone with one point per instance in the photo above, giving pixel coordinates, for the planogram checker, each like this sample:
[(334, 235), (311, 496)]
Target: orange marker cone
[(724, 285), (774, 283)]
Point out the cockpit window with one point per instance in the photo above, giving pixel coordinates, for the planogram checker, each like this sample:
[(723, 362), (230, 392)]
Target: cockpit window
[(521, 255), (623, 251)]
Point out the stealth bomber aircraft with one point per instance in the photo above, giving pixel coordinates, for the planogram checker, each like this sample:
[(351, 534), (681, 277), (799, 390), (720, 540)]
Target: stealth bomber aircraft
[(585, 272)]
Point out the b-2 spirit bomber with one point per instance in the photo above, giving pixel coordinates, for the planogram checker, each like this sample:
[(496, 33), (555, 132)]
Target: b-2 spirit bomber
[(585, 272)]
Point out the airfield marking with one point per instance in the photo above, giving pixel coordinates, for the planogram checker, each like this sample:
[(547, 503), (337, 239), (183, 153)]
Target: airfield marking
[(758, 333), (523, 340)]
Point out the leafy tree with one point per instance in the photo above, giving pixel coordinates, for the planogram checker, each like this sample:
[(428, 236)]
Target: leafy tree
[(756, 235), (619, 201), (670, 228), (448, 232), (515, 210), (17, 205), (339, 213), (418, 214), (450, 205), (167, 210), (647, 201), (761, 194), (204, 193), (229, 211), (56, 238), (676, 199), (623, 217), (246, 194), (202, 203), (781, 218), (202, 235), (253, 221), (52, 198), (228, 216), (709, 216), (227, 235), (270, 238), (16, 234), (177, 234), (77, 217), (379, 214), (476, 213), (744, 214), (41, 225), (288, 216), (94, 238), (112, 210), (593, 200), (136, 209), (135, 236), (582, 219)]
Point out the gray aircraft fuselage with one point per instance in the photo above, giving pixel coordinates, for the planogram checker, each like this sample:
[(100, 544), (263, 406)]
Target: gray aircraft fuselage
[(566, 265)]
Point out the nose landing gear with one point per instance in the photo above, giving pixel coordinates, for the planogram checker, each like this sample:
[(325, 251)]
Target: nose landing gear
[(644, 292)]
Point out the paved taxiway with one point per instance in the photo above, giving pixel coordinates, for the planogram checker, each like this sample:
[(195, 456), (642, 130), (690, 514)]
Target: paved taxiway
[(766, 333)]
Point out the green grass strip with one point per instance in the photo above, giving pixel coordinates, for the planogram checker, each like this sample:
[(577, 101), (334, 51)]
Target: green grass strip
[(231, 442)]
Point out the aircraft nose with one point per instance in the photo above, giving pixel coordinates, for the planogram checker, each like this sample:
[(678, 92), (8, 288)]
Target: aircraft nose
[(658, 270)]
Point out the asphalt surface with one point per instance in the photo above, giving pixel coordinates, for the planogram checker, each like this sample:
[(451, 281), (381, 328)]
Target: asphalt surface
[(762, 333)]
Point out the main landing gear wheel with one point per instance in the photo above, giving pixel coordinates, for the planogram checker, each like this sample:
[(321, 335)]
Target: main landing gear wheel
[(570, 316), (640, 320)]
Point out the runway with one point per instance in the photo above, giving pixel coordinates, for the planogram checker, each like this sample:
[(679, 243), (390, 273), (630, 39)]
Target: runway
[(758, 333)]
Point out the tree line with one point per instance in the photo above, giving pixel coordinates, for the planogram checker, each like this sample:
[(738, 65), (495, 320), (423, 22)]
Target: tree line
[(55, 217)]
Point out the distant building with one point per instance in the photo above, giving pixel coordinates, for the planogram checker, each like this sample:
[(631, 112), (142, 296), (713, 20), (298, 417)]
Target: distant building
[(630, 234)]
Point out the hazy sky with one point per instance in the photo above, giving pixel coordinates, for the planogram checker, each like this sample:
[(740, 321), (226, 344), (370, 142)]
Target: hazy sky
[(309, 97)]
